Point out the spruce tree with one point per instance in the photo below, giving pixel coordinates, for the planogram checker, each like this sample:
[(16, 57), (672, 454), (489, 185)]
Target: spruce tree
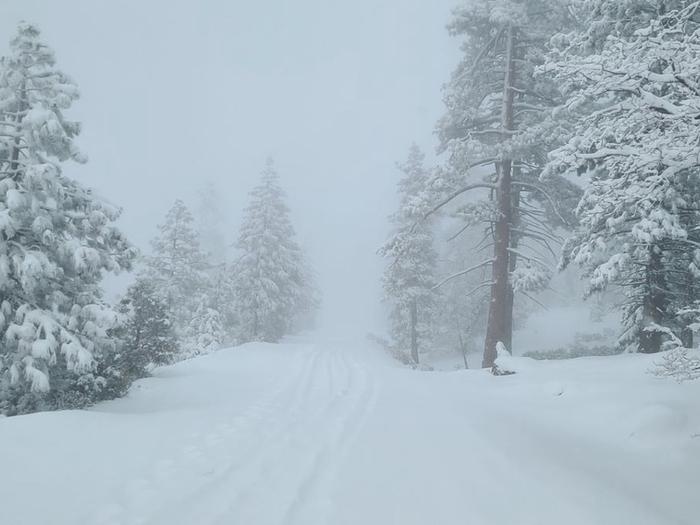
[(56, 238), (409, 279), (272, 281)]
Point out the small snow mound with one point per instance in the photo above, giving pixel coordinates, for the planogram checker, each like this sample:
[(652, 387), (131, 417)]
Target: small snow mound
[(506, 364), (503, 365)]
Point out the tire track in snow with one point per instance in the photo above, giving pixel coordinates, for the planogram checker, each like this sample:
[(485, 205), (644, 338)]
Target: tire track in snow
[(313, 503), (231, 484), (291, 482), (145, 500)]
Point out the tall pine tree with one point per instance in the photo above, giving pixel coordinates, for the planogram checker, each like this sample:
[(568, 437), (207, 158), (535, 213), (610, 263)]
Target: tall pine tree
[(497, 133), (56, 238), (177, 267), (272, 281), (409, 280)]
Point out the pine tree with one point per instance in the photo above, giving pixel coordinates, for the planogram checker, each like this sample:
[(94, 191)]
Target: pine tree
[(632, 106), (177, 267), (56, 238), (222, 298), (409, 281), (272, 280), (205, 332), (497, 132), (149, 337)]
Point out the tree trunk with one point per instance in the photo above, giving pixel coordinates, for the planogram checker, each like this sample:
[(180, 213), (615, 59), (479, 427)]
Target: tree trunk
[(687, 337), (414, 332), (512, 263), (463, 348), (654, 305), (497, 329)]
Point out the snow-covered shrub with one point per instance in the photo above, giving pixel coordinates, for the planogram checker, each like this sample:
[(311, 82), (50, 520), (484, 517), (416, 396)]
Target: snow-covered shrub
[(681, 364), (205, 333), (584, 345)]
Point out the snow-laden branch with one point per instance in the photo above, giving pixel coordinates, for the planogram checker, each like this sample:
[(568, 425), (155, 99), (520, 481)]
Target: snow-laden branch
[(453, 196), (529, 258), (546, 195), (463, 272)]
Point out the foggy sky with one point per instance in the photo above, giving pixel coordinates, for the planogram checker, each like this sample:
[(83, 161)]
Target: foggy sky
[(178, 93)]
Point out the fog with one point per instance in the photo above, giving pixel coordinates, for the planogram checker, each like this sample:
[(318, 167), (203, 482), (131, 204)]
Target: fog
[(361, 330), (174, 94)]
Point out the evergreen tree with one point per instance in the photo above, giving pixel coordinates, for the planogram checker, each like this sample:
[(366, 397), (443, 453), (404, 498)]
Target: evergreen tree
[(177, 267), (497, 132), (149, 337), (272, 280), (56, 238), (222, 298), (630, 77), (205, 332), (409, 281)]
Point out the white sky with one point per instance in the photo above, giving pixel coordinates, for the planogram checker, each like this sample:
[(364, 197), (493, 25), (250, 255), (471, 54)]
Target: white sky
[(175, 93)]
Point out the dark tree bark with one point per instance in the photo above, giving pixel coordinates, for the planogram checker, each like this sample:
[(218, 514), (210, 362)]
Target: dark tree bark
[(512, 263), (499, 321), (654, 303)]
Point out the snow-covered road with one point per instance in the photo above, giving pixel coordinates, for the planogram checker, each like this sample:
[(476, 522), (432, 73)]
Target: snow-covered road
[(336, 433)]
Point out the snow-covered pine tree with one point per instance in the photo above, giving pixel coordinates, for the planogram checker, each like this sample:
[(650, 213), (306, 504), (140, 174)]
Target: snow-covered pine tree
[(272, 279), (149, 337), (633, 105), (56, 238), (177, 268), (409, 279), (205, 332), (497, 133), (222, 298)]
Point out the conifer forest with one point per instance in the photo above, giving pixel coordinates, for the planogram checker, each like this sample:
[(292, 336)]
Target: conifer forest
[(324, 263)]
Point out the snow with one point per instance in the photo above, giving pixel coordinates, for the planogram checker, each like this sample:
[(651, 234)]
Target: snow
[(330, 432)]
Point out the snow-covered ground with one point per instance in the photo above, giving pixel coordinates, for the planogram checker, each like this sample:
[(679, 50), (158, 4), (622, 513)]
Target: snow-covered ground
[(336, 433)]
